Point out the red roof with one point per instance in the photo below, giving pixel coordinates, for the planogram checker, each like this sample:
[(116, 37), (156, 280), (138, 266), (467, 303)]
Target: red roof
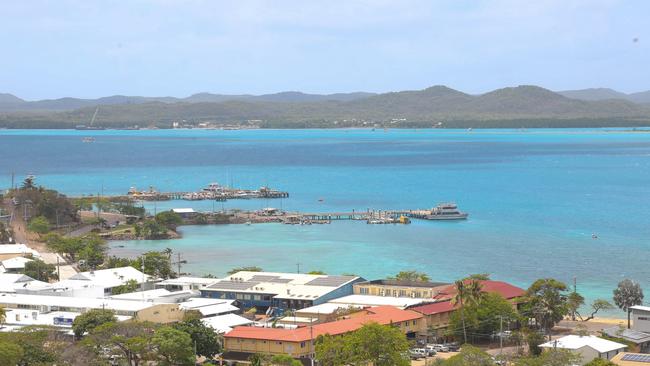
[(504, 289), (435, 308), (380, 314)]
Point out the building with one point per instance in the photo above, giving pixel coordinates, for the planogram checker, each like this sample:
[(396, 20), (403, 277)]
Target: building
[(438, 313), (14, 265), (264, 290), (139, 310), (10, 282), (95, 283), (299, 342), (330, 310), (640, 339), (641, 318), (225, 323), (396, 288), (185, 213), (588, 347), (8, 251), (631, 359), (185, 283), (210, 307)]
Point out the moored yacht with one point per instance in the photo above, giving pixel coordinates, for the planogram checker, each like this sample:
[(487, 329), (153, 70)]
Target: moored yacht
[(446, 211)]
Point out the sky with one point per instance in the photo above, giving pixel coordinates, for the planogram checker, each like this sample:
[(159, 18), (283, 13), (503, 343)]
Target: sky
[(93, 48)]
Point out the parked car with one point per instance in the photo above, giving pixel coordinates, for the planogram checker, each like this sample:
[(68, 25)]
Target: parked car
[(421, 351), (453, 347), (439, 347), (431, 350), (414, 355)]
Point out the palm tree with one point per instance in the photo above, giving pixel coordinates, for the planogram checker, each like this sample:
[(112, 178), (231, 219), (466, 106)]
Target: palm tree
[(468, 292), (3, 316)]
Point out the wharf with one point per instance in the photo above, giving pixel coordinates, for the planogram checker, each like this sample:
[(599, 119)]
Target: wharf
[(213, 192)]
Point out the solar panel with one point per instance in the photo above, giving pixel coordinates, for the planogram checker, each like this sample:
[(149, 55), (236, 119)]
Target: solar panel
[(636, 357), (331, 281), (234, 285), (272, 279)]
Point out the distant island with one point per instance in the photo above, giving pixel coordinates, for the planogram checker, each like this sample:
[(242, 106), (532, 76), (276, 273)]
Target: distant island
[(435, 107)]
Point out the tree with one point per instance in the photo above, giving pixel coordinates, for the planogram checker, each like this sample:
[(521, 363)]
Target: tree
[(316, 273), (90, 320), (5, 233), (3, 316), (478, 276), (258, 359), (133, 339), (40, 346), (411, 276), (381, 345), (93, 251), (116, 262), (10, 353), (596, 306), (29, 183), (152, 229), (600, 362), (244, 269), (173, 346), (39, 270), (546, 303), (156, 264), (332, 351), (467, 293), (39, 224), (169, 219), (66, 246), (628, 294), (205, 338), (470, 356), (534, 339), (284, 360), (485, 317), (130, 286), (574, 302), (554, 357)]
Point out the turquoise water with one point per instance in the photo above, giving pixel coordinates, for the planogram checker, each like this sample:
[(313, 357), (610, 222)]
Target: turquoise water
[(535, 197)]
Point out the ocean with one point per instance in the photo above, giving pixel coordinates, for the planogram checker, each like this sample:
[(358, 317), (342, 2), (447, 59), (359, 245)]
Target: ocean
[(535, 197)]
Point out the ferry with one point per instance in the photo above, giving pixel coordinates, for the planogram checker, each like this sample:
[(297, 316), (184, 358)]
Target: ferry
[(446, 211)]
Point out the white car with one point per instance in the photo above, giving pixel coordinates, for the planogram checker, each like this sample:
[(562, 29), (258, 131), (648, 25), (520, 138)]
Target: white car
[(439, 347)]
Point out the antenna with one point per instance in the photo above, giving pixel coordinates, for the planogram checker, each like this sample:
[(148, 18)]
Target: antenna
[(178, 262)]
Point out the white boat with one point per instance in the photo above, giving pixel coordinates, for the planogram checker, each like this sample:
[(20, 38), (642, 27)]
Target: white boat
[(446, 211), (213, 187)]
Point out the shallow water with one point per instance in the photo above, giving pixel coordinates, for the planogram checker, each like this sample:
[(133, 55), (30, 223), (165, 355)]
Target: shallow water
[(534, 197)]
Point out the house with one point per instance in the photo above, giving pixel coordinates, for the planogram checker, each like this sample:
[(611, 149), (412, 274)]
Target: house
[(95, 283), (185, 213), (264, 290), (641, 318), (139, 310), (631, 359), (438, 313), (398, 288), (588, 347), (8, 251), (299, 342), (210, 307), (14, 265), (640, 339), (225, 323), (185, 283), (10, 282)]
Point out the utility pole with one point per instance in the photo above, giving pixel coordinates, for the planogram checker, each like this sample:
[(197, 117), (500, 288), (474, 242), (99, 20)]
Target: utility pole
[(500, 334), (298, 265), (178, 262), (58, 269)]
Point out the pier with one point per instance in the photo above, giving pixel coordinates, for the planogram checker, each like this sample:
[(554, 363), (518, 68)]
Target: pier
[(213, 191)]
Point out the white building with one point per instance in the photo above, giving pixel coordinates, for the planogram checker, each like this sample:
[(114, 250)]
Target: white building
[(10, 282), (588, 347), (185, 283), (14, 265), (95, 283), (641, 318), (8, 251), (224, 323), (210, 307)]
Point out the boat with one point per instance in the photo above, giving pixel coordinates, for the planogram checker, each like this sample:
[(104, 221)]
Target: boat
[(446, 211), (88, 139)]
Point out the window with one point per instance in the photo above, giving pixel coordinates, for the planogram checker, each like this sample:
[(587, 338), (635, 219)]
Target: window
[(643, 318), (302, 344), (257, 297), (239, 297), (402, 293), (247, 296), (415, 322), (363, 291), (394, 293)]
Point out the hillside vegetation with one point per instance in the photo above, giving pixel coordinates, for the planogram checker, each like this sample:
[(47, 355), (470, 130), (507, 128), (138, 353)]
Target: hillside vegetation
[(437, 106)]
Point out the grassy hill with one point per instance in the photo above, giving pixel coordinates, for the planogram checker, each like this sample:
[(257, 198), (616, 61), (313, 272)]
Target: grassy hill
[(522, 106)]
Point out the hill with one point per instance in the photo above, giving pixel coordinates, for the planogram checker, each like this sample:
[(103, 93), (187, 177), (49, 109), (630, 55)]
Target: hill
[(521, 106), (605, 93)]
